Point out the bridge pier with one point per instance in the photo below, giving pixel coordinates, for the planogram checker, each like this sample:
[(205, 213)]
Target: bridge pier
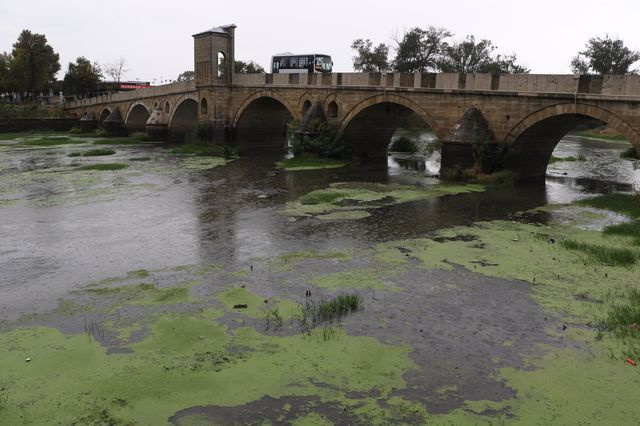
[(113, 124)]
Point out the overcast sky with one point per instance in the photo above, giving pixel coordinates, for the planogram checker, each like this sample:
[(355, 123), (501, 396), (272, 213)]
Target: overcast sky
[(155, 36)]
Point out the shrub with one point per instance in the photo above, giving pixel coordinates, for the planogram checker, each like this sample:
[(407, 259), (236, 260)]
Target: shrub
[(630, 153), (320, 141), (403, 144)]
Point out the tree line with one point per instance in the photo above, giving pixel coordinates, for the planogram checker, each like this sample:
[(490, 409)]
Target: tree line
[(431, 49), (31, 67)]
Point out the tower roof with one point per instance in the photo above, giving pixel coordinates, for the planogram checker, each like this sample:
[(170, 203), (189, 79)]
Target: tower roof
[(222, 30)]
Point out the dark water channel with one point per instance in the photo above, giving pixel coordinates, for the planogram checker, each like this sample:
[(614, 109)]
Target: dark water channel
[(157, 214)]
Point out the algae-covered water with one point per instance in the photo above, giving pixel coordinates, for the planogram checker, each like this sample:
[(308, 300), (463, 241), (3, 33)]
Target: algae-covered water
[(166, 289)]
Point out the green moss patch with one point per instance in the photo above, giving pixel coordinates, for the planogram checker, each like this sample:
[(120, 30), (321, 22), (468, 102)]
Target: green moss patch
[(309, 163), (98, 152), (51, 141), (239, 299), (104, 167), (341, 200), (185, 362)]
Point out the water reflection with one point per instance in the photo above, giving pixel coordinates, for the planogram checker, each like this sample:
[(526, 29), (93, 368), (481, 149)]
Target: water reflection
[(231, 214)]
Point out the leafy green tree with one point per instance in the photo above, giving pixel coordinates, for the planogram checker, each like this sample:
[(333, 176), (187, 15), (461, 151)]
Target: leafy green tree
[(506, 64), (82, 77), (467, 56), (369, 58), (186, 76), (249, 67), (5, 63), (605, 56), (420, 50), (34, 64)]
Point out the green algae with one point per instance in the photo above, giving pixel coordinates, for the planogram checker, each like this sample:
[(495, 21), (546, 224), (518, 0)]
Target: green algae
[(351, 200), (309, 163), (256, 306), (145, 294), (289, 261), (366, 278), (105, 166), (202, 163), (185, 362)]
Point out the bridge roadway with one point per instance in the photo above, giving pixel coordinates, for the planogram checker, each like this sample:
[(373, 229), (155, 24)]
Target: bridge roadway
[(525, 113)]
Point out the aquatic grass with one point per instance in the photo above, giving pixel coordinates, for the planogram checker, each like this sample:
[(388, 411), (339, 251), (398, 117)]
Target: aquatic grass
[(570, 158), (272, 319), (51, 141), (629, 229), (133, 139), (75, 154), (316, 312), (104, 166), (98, 152), (623, 321), (322, 197), (602, 254), (627, 204), (140, 159), (309, 163)]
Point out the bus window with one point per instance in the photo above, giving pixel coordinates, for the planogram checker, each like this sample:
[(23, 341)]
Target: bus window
[(276, 67)]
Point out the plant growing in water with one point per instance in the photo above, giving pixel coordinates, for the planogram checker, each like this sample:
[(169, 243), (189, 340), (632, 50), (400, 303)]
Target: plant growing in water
[(272, 319), (318, 141), (313, 313)]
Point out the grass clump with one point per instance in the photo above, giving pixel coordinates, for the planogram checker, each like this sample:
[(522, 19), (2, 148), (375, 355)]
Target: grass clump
[(570, 158), (272, 319), (104, 166), (98, 152), (627, 204), (310, 163), (623, 319), (75, 154), (126, 140), (317, 312), (602, 254), (630, 153), (403, 144), (140, 159)]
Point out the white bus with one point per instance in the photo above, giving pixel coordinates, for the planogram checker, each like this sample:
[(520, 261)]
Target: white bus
[(310, 63)]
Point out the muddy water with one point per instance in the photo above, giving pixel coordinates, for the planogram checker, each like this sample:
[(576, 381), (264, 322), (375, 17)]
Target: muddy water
[(60, 233)]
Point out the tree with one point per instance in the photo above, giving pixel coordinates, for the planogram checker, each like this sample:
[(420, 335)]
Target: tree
[(249, 67), (116, 70), (5, 63), (186, 76), (34, 64), (605, 56), (505, 65), (420, 50), (468, 56), (369, 58), (82, 77)]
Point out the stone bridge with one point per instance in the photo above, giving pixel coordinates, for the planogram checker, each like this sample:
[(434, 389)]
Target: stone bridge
[(527, 113)]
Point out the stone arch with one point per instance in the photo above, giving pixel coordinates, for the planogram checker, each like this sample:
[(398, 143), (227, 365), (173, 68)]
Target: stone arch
[(167, 107), (533, 139), (184, 116), (392, 99), (262, 120), (137, 117), (263, 94), (306, 106), (332, 110), (104, 114), (369, 126)]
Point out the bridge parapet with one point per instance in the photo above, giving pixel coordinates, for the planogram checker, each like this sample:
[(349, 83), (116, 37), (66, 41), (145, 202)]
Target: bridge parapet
[(152, 92), (607, 85)]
